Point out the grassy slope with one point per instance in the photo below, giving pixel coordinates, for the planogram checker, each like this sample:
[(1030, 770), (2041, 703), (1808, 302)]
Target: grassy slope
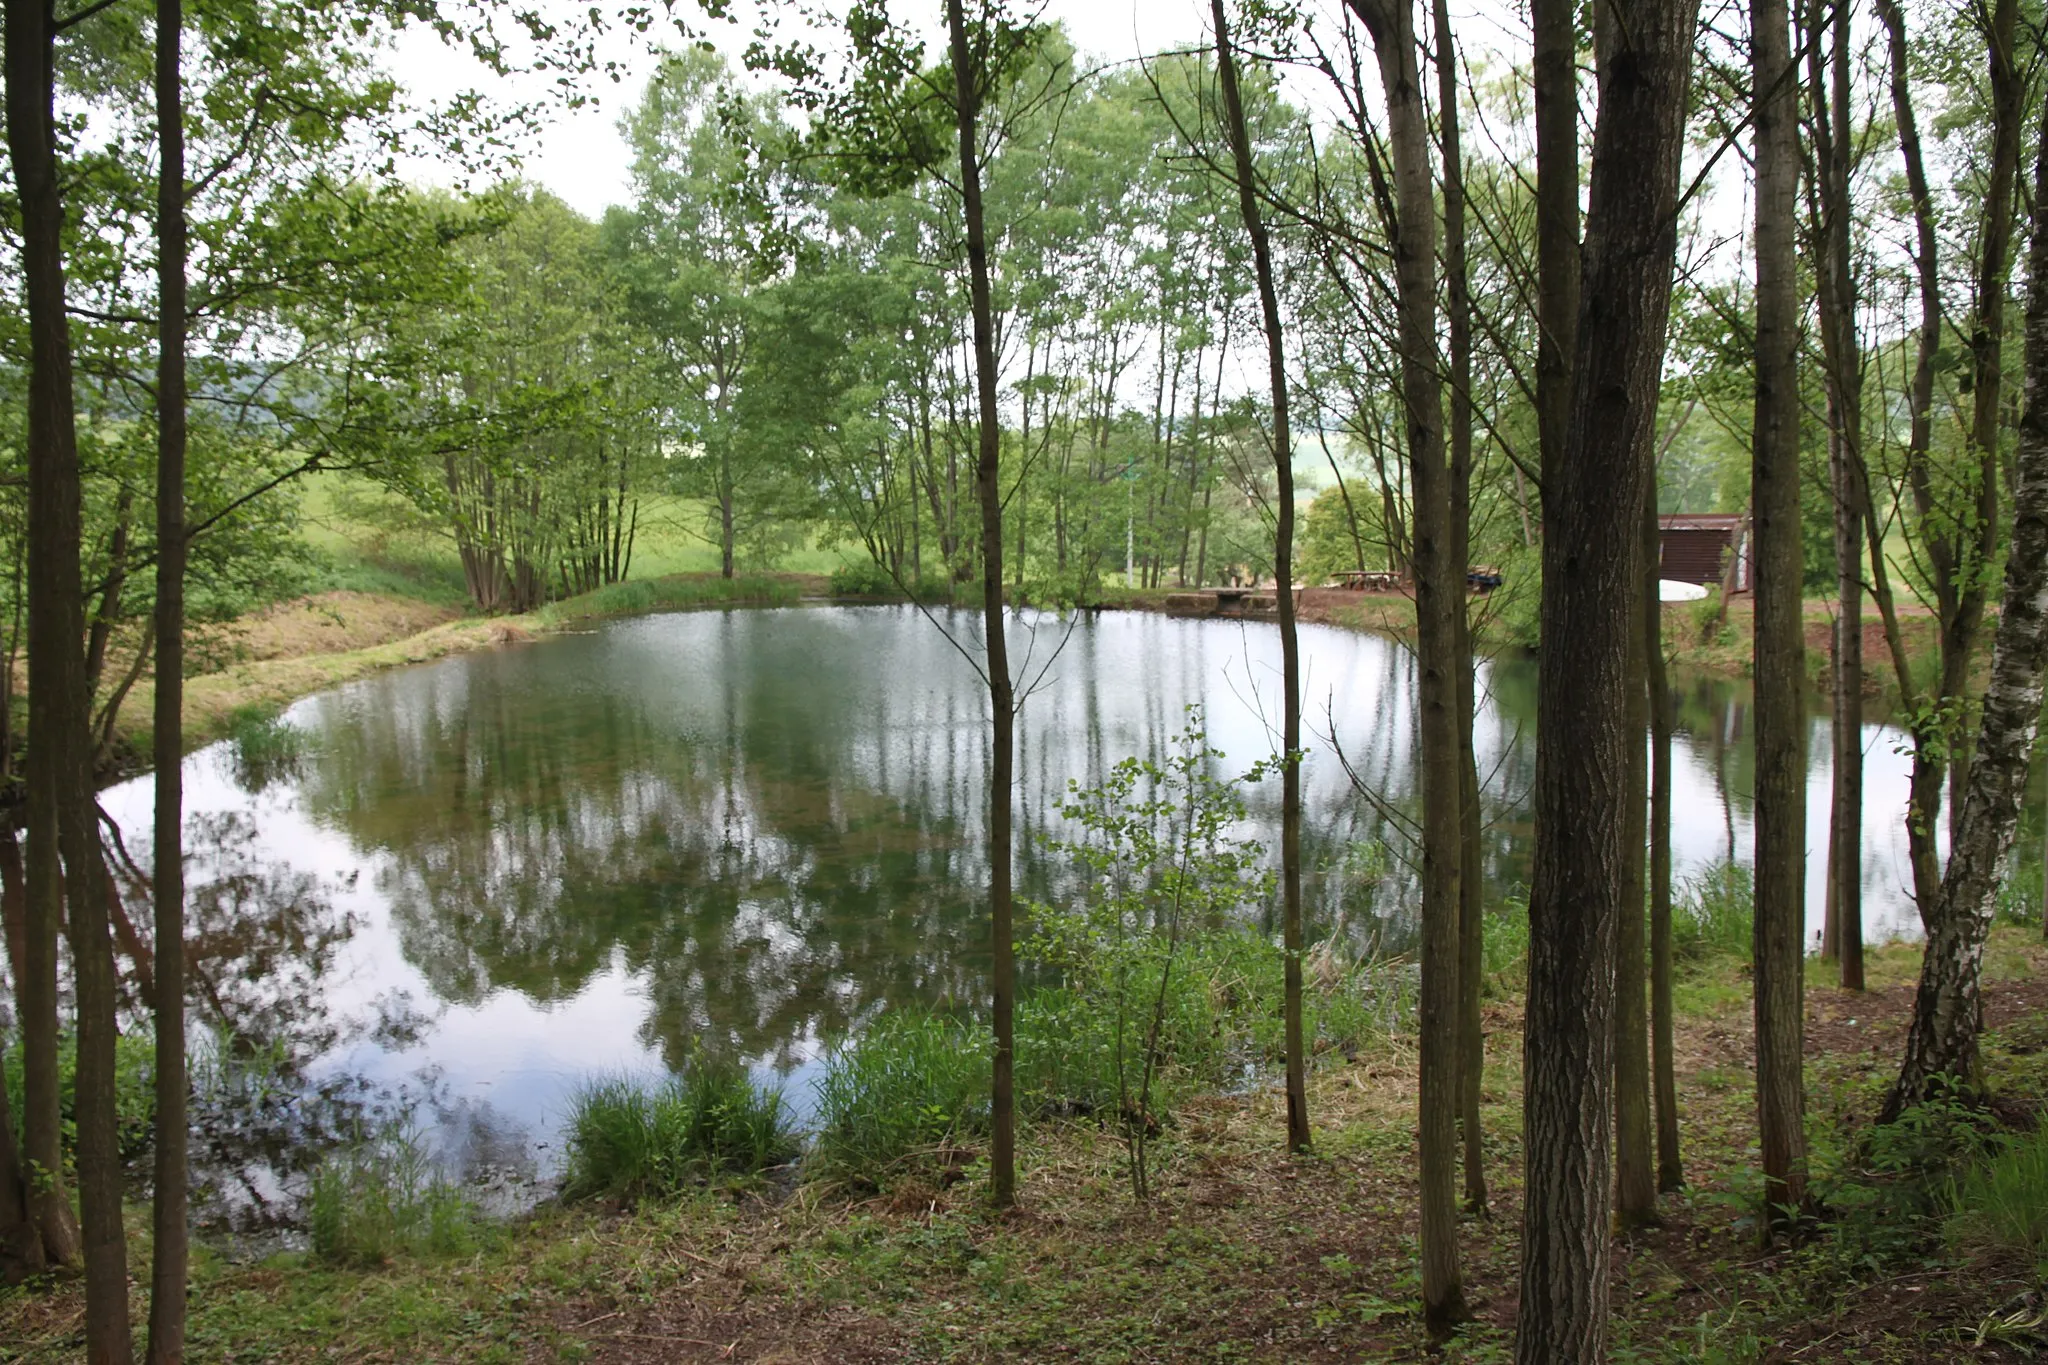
[(387, 593), (1246, 1253)]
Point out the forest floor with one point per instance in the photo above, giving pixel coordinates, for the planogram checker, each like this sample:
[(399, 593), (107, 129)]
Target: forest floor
[(1244, 1253)]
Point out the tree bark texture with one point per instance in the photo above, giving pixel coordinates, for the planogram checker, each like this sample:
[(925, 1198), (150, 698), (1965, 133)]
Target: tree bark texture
[(1593, 497), (1471, 889), (1439, 606), (1663, 1065), (967, 75), (1780, 687), (61, 806), (168, 1267), (1298, 1137), (1941, 1049)]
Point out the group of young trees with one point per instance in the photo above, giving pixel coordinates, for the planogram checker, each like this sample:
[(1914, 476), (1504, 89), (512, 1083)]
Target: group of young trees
[(988, 315)]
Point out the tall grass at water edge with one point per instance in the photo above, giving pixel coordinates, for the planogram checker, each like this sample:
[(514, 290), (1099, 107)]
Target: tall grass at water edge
[(382, 1196), (628, 1140), (662, 594)]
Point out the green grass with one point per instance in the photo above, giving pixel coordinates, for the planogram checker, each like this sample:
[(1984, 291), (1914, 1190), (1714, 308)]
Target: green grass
[(2003, 1203), (1712, 915), (264, 747), (667, 594), (365, 539), (627, 1140), (902, 1094), (381, 1198)]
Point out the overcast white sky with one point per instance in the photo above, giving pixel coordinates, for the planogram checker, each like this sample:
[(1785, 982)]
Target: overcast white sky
[(580, 155)]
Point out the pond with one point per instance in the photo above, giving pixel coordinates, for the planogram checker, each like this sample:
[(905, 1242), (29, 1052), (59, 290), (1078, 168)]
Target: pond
[(478, 882)]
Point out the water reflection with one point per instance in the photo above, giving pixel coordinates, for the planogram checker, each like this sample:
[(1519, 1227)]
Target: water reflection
[(741, 832)]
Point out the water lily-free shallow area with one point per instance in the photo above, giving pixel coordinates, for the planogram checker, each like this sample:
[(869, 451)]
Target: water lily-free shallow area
[(472, 885)]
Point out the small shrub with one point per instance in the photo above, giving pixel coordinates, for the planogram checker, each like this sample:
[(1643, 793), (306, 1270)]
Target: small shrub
[(263, 747), (134, 1091), (641, 595), (864, 578), (1712, 915), (629, 1141), (1505, 944), (381, 1197), (909, 1088)]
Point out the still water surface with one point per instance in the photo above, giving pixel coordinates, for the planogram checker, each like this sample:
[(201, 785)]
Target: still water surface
[(744, 831)]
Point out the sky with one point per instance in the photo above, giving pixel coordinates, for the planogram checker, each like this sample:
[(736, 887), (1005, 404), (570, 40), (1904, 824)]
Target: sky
[(581, 157)]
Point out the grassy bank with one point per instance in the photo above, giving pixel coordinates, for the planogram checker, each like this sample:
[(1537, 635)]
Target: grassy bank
[(252, 687), (1927, 1250)]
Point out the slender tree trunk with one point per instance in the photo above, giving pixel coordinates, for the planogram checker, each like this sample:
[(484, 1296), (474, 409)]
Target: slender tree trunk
[(56, 696), (1635, 1185), (1439, 606), (1663, 1066), (1924, 790), (1593, 497), (1298, 1137), (1780, 740), (21, 1246), (1002, 972), (1941, 1049), (168, 1268), (1471, 890), (1833, 149), (1987, 355)]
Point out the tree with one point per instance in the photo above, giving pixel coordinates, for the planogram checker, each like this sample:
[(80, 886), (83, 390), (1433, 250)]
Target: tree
[(1593, 496), (60, 797), (1298, 1136), (1779, 951), (1941, 1048), (970, 78), (169, 1252), (1439, 602)]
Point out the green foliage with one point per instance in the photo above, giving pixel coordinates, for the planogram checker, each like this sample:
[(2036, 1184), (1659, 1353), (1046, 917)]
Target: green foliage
[(626, 1140), (640, 595), (867, 578), (1157, 866), (1712, 915), (382, 1196), (134, 1092), (902, 1096), (1505, 944), (2003, 1203), (263, 747)]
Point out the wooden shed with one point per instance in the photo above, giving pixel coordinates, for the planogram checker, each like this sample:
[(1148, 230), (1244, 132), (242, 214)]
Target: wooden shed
[(1697, 546)]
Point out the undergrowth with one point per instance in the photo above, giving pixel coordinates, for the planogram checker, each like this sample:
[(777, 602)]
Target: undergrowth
[(381, 1197), (630, 1140)]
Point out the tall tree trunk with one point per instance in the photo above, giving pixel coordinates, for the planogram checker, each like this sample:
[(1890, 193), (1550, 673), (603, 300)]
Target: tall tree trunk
[(1924, 789), (1833, 150), (1471, 890), (1298, 1138), (57, 704), (1002, 972), (1948, 1011), (21, 1246), (1635, 1185), (1663, 1062), (1439, 605), (1593, 497), (169, 1250), (1987, 356), (1780, 740)]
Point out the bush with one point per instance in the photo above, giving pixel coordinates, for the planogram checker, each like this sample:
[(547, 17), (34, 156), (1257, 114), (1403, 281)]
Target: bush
[(869, 579), (628, 1141), (1712, 915), (263, 747), (381, 1197), (134, 1091), (902, 1094)]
